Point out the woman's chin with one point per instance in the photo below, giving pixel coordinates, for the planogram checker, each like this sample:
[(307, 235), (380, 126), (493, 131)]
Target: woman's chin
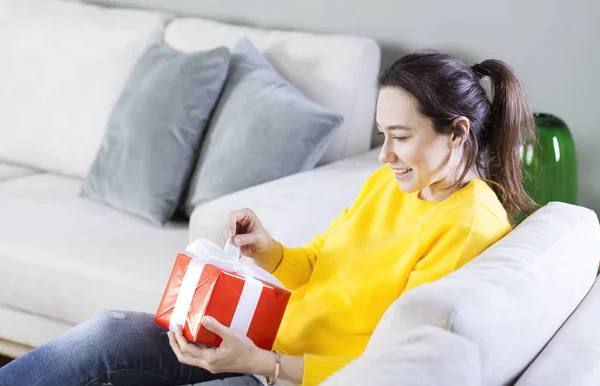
[(408, 182), (408, 186)]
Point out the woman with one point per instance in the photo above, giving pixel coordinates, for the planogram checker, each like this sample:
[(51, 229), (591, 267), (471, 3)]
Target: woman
[(449, 188)]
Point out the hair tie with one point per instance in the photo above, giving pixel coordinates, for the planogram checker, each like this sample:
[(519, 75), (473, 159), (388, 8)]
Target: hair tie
[(485, 84), (480, 71)]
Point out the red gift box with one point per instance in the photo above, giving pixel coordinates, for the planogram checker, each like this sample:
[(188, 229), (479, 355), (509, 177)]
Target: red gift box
[(217, 294)]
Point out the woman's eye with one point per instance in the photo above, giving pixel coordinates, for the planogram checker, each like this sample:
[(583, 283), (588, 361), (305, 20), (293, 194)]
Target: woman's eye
[(399, 139)]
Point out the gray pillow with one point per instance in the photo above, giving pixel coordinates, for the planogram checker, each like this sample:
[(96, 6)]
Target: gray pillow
[(262, 129), (153, 135)]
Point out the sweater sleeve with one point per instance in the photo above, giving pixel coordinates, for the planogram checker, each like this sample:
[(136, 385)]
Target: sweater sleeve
[(297, 264), (318, 368)]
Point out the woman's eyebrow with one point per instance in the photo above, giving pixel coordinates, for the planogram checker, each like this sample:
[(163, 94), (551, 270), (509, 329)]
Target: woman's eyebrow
[(399, 127), (395, 127)]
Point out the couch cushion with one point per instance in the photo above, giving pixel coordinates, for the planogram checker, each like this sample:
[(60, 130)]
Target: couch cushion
[(28, 329), (63, 66), (572, 357), (262, 129), (426, 355), (512, 298), (78, 256), (151, 144), (336, 71), (9, 171)]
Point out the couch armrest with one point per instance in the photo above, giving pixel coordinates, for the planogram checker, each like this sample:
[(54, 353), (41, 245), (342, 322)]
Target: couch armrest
[(425, 355), (512, 298), (293, 208), (572, 356)]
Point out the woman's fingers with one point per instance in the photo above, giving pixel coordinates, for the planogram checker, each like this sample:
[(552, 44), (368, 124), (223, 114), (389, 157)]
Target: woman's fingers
[(184, 345), (186, 352), (213, 325), (245, 239), (201, 345), (237, 219), (181, 357), (231, 224)]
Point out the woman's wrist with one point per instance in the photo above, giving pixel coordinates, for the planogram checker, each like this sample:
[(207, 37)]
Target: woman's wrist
[(264, 363), (274, 257), (291, 367)]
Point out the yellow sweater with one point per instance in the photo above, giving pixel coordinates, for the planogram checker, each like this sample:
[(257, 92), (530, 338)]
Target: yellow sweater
[(386, 243)]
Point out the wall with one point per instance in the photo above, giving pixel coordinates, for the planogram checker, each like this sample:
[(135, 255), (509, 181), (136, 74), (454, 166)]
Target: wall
[(553, 46)]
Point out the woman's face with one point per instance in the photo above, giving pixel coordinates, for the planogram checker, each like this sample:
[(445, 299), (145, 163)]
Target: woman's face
[(421, 158)]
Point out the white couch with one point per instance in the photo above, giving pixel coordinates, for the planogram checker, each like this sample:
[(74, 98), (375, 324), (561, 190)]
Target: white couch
[(514, 314), (63, 258), (517, 309)]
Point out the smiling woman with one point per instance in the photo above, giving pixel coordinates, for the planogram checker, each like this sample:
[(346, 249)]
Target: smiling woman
[(449, 188)]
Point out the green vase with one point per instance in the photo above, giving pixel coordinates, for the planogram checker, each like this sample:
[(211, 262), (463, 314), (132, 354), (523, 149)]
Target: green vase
[(550, 166)]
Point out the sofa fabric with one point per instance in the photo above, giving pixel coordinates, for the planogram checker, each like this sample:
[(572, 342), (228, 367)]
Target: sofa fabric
[(63, 67), (512, 298), (65, 258), (327, 191), (572, 357), (424, 356), (335, 71), (9, 171)]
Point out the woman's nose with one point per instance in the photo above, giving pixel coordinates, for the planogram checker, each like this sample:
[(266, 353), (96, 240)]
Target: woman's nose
[(386, 155)]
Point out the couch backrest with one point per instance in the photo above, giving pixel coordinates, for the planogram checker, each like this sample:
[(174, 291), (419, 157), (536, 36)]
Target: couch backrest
[(63, 66), (337, 71), (512, 298)]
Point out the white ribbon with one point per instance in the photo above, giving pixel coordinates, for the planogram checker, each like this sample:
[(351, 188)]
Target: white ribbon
[(228, 259)]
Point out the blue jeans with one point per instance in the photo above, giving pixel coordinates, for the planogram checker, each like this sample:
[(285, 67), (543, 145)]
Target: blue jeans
[(112, 348)]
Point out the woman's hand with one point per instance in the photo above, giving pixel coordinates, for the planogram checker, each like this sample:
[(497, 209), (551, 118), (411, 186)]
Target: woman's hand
[(236, 354), (254, 241)]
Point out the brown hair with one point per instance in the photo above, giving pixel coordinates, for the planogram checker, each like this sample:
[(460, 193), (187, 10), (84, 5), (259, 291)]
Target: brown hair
[(447, 88)]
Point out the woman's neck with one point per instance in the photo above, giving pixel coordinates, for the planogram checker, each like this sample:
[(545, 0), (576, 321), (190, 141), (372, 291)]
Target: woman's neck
[(441, 190)]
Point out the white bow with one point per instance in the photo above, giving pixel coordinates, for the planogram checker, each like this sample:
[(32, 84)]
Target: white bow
[(230, 259)]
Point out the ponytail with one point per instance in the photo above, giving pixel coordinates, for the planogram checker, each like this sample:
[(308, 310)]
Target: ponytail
[(446, 88), (509, 121)]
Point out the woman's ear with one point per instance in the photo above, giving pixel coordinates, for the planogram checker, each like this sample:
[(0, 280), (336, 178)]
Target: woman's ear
[(460, 131)]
